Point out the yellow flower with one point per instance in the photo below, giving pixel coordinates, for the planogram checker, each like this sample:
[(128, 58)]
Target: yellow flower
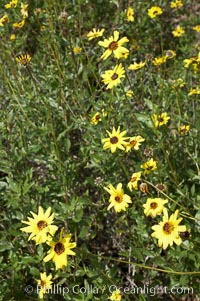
[(149, 166), (12, 4), (115, 140), (136, 66), (134, 143), (124, 55), (176, 4), (113, 77), (12, 37), (77, 50), (93, 34), (154, 206), (130, 14), (194, 91), (196, 28), (167, 232), (194, 61), (188, 62), (135, 44), (118, 199), (116, 296), (178, 31), (184, 129), (129, 93), (114, 46), (3, 20), (24, 10), (160, 120), (19, 24), (154, 11), (59, 251), (40, 226), (96, 118), (157, 61), (23, 59), (135, 178), (43, 27), (44, 284), (178, 83)]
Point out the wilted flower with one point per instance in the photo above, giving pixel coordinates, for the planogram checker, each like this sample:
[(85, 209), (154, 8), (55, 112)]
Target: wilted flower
[(144, 188), (170, 54)]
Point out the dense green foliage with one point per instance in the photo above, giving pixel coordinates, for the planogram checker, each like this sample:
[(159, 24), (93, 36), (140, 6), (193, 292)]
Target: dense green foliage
[(51, 155)]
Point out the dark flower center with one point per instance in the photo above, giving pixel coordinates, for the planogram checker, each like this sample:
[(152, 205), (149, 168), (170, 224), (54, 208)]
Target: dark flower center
[(133, 142), (155, 12), (42, 283), (41, 225), (97, 117), (113, 140), (114, 76), (133, 179), (153, 205), (59, 248), (168, 228), (160, 119), (160, 187), (118, 199), (113, 46), (149, 167)]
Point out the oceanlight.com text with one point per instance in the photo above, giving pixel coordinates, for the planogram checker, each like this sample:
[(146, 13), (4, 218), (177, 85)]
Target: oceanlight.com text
[(106, 290)]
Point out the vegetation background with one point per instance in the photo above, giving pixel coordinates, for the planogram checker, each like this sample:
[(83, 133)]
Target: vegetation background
[(52, 155)]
